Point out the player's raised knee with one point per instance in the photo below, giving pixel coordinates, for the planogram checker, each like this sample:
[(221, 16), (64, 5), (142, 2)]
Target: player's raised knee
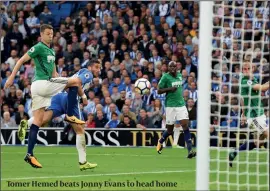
[(74, 82)]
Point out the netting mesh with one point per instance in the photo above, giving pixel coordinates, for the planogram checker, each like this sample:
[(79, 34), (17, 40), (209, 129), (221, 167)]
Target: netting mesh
[(240, 35)]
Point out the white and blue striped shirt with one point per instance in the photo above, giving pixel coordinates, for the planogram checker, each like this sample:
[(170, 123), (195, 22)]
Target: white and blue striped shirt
[(132, 55), (257, 23), (250, 13), (237, 33), (194, 60), (106, 109), (266, 39), (228, 41), (32, 21), (155, 59), (101, 13), (193, 95), (155, 95), (90, 108)]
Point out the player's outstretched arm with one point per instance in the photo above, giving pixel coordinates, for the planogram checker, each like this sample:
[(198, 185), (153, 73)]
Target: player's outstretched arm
[(243, 117), (262, 87), (166, 90), (242, 105), (18, 65)]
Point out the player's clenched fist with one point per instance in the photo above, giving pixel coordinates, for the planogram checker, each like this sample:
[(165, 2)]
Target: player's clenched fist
[(9, 82), (173, 89)]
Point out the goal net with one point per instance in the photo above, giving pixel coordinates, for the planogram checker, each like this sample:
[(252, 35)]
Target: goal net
[(239, 35)]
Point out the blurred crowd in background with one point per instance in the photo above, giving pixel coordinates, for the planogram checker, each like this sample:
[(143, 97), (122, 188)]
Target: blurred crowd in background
[(134, 39)]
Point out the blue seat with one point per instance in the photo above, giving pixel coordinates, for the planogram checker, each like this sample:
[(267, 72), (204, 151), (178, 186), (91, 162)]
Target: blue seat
[(63, 13), (47, 19), (66, 6), (57, 19), (53, 7), (65, 9), (83, 4), (157, 20), (54, 11)]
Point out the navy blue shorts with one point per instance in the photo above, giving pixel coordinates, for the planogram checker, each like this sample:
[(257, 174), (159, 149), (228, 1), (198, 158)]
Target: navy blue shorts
[(59, 106)]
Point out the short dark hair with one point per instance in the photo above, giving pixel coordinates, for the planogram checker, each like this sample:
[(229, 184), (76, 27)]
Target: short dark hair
[(114, 113), (143, 110), (190, 99), (44, 27), (92, 62), (126, 116)]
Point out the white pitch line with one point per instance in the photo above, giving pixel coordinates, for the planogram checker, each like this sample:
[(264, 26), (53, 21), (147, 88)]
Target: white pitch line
[(89, 154), (95, 175)]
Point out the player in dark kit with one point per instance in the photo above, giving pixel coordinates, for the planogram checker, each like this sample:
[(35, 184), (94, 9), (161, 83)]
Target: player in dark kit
[(171, 84)]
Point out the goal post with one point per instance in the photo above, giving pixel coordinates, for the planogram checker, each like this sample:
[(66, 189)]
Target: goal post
[(232, 148), (204, 82)]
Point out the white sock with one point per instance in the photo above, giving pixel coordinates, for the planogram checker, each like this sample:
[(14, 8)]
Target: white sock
[(81, 147), (30, 121), (176, 135), (164, 144)]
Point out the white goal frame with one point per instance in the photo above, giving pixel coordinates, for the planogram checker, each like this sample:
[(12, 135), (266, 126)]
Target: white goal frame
[(204, 89)]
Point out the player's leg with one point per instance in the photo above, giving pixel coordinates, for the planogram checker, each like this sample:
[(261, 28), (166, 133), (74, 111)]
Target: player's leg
[(55, 85), (48, 116), (39, 102), (23, 126), (73, 85), (72, 103), (55, 109), (261, 133), (32, 138), (80, 141), (265, 141), (42, 93), (187, 137), (247, 145), (73, 82), (81, 147), (263, 129), (182, 116), (170, 120), (250, 144), (176, 134)]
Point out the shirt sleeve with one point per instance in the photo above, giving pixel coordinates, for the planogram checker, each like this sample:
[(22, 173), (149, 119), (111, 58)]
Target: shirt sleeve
[(162, 82), (33, 52)]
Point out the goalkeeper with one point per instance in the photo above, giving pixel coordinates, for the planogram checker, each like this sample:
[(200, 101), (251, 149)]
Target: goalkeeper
[(252, 110)]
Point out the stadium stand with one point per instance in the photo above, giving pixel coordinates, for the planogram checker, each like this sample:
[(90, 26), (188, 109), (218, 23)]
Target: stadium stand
[(131, 39)]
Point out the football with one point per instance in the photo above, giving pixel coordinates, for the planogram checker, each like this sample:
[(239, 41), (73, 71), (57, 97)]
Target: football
[(142, 86)]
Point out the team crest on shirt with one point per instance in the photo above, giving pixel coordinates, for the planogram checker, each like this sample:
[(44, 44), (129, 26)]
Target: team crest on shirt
[(86, 76), (32, 49), (249, 82)]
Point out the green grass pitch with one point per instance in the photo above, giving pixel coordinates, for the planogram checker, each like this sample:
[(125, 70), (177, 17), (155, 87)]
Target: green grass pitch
[(122, 169)]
